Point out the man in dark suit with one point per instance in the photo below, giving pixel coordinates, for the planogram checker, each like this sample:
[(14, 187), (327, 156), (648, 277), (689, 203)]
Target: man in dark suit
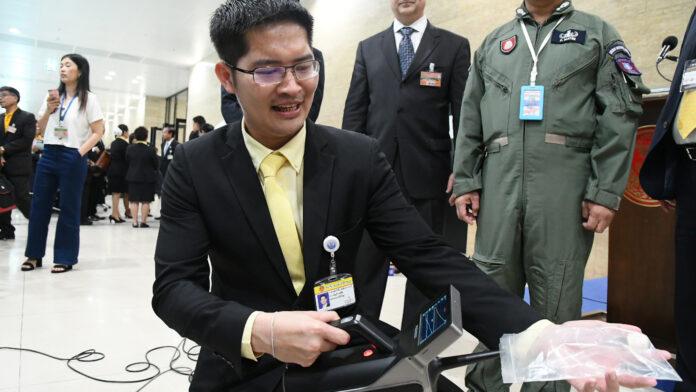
[(274, 186), (669, 175), (16, 136), (232, 112), (167, 148), (406, 82)]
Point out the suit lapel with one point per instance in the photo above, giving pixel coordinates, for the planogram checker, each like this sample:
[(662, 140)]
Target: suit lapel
[(318, 173), (389, 51), (246, 186), (430, 40)]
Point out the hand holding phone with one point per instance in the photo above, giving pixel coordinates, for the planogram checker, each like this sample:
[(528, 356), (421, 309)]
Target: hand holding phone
[(52, 101)]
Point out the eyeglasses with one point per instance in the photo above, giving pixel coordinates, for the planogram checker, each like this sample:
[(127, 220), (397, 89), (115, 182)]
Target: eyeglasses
[(266, 76)]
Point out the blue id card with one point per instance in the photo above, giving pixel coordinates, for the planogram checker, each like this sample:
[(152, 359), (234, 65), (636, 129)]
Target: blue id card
[(532, 103)]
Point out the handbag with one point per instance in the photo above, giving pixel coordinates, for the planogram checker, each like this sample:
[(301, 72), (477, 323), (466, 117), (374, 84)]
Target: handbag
[(104, 160), (7, 198)]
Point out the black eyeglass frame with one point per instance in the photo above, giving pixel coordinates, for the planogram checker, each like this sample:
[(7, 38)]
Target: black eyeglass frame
[(252, 72)]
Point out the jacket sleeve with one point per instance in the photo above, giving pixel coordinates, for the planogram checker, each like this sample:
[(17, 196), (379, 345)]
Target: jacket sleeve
[(619, 105), (27, 132), (358, 99), (469, 155), (460, 72), (181, 296)]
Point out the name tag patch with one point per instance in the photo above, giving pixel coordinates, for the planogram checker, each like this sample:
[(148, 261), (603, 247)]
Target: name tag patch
[(617, 48), (568, 36), (626, 65)]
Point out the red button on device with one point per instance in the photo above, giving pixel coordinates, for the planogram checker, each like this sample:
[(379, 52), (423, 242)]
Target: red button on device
[(368, 353)]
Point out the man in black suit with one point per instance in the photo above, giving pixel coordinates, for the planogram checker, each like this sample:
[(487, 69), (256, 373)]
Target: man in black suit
[(168, 148), (16, 136), (232, 112), (406, 82), (669, 175), (274, 186)]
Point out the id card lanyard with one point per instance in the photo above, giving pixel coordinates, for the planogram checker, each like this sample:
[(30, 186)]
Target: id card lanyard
[(60, 131), (532, 96), (336, 290)]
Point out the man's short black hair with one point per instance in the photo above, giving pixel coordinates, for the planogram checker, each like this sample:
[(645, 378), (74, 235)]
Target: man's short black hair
[(200, 120), (11, 90), (232, 20), (123, 127), (140, 133)]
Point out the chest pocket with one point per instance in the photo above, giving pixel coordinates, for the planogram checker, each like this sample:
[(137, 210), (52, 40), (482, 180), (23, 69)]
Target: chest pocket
[(495, 103)]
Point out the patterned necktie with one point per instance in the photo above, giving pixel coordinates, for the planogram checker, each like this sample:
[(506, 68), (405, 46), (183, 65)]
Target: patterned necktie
[(406, 51), (283, 220), (686, 119)]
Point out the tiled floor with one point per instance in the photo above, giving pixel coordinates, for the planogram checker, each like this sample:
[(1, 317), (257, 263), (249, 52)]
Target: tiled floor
[(104, 304)]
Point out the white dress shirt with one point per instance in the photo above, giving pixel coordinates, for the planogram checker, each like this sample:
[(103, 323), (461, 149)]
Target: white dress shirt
[(418, 27)]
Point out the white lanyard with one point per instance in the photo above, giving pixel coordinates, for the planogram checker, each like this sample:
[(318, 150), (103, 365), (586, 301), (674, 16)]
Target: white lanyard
[(535, 56)]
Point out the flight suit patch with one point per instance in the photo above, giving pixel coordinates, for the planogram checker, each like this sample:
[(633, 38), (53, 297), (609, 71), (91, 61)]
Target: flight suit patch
[(564, 37), (626, 65), (508, 45), (617, 48)]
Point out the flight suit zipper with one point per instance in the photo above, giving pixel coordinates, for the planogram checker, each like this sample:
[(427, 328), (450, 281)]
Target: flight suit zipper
[(564, 79)]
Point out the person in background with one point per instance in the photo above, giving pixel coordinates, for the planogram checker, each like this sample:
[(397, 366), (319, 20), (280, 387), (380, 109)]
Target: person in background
[(141, 175), (198, 122), (669, 175), (169, 145), (72, 123), (17, 130), (117, 174), (93, 192), (205, 129)]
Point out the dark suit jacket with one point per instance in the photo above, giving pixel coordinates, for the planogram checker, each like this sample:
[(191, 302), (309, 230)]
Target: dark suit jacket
[(221, 213), (142, 163), (232, 112), (405, 116), (118, 166), (18, 145), (166, 159), (658, 171)]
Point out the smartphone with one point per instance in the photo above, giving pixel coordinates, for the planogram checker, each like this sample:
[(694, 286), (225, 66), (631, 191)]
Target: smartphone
[(53, 93)]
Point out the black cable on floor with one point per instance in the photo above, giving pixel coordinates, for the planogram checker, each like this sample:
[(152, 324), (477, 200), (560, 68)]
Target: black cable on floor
[(92, 355)]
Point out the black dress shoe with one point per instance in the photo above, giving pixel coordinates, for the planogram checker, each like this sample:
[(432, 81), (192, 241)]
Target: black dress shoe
[(144, 225), (85, 223), (7, 236)]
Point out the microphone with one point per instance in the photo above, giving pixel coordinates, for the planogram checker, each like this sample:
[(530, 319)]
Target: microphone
[(668, 44)]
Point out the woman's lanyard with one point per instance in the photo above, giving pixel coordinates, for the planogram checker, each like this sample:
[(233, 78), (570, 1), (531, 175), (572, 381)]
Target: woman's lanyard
[(535, 56), (61, 114)]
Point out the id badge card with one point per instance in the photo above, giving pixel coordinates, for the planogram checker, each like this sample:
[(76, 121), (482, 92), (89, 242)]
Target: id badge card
[(334, 292), (11, 129), (431, 79), (60, 132), (689, 76), (532, 103)]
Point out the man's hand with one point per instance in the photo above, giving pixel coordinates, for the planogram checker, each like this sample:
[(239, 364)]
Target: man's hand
[(598, 217), (611, 383), (298, 337), (468, 207), (668, 205)]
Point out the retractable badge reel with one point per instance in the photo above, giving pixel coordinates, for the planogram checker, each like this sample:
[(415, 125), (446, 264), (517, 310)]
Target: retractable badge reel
[(336, 290)]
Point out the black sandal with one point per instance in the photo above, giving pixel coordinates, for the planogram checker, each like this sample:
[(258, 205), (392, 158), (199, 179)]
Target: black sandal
[(60, 268), (31, 266)]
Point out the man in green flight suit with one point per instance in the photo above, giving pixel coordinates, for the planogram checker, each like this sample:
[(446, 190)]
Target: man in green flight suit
[(543, 155)]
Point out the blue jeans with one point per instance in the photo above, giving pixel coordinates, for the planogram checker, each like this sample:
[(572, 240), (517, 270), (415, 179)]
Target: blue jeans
[(59, 168)]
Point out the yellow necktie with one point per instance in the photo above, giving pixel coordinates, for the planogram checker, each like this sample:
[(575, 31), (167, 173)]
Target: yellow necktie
[(283, 220), (686, 119)]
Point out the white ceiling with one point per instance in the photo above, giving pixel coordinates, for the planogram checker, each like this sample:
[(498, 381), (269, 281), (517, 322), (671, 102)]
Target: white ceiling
[(146, 47)]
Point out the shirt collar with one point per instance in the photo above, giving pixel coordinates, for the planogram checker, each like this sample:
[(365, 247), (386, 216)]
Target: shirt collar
[(293, 150), (564, 8), (418, 25), (10, 114)]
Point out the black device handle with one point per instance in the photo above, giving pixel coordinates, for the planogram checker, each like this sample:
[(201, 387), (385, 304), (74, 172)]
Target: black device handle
[(363, 327)]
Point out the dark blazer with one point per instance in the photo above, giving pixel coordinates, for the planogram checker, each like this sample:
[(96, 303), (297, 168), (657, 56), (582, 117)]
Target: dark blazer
[(142, 163), (404, 115), (658, 171), (232, 112), (118, 166), (348, 187), (18, 144), (164, 160)]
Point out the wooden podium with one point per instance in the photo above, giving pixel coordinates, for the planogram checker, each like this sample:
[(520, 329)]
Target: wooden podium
[(641, 250)]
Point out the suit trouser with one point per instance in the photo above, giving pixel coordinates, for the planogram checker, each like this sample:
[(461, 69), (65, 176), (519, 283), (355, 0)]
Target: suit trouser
[(22, 186), (685, 280), (64, 168)]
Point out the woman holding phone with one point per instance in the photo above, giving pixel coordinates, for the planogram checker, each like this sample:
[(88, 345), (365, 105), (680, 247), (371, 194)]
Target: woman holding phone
[(72, 123)]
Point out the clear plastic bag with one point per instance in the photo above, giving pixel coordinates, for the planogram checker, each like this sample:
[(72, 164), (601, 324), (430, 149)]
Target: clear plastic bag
[(581, 349)]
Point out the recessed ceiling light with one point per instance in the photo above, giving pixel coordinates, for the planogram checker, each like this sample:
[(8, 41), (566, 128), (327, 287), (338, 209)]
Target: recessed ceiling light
[(14, 30), (112, 73), (135, 81), (108, 77)]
